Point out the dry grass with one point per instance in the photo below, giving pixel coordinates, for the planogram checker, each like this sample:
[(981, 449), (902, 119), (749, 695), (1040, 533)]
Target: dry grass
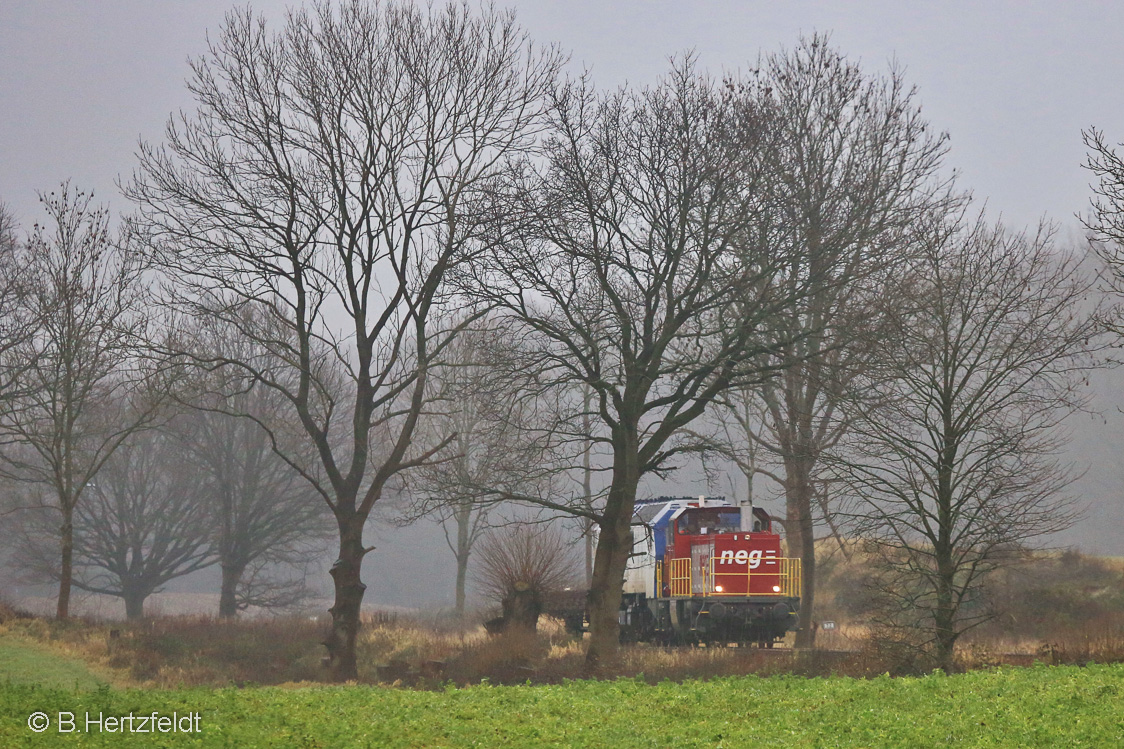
[(417, 658), (182, 651), (1099, 640), (195, 650), (72, 639), (201, 650)]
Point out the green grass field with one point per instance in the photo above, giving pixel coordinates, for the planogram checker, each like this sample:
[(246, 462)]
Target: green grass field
[(23, 662), (1035, 707)]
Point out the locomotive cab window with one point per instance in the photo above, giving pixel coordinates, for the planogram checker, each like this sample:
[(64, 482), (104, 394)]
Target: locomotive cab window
[(708, 520)]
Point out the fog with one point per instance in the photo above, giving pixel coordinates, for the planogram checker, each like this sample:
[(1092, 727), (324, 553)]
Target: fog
[(1012, 83)]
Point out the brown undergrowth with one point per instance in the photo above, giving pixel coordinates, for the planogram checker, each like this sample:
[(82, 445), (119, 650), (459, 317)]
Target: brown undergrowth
[(202, 651)]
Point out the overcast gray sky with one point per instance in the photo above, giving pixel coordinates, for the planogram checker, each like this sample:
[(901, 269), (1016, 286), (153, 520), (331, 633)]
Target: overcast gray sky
[(1013, 83)]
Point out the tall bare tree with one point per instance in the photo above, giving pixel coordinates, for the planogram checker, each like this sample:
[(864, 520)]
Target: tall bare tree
[(84, 359), (855, 165), (635, 264), (327, 174), (954, 466)]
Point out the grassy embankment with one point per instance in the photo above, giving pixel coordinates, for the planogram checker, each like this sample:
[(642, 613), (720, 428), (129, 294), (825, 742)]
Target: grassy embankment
[(24, 662), (1035, 707)]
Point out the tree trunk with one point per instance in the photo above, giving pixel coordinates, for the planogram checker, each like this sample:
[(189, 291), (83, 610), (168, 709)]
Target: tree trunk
[(589, 552), (806, 625), (66, 571), (462, 573), (605, 596), (521, 609), (614, 545), (134, 603), (944, 617), (945, 620), (801, 542), (349, 590), (228, 597), (463, 515)]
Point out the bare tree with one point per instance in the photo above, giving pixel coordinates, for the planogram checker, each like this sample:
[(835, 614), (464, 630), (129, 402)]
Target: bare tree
[(854, 167), (9, 230), (737, 425), (16, 325), (262, 515), (472, 401), (635, 264), (1106, 224), (520, 566), (955, 465), (142, 524), (265, 519), (1107, 221), (327, 175), (83, 360)]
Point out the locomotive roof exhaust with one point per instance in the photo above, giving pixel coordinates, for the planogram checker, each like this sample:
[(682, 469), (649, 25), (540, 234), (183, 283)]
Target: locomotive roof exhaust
[(746, 506)]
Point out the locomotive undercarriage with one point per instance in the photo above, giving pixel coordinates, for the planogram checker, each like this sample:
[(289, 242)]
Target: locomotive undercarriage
[(711, 620)]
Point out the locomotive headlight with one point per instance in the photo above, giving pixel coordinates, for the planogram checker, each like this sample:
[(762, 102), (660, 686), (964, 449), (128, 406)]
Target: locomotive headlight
[(776, 589), (718, 588)]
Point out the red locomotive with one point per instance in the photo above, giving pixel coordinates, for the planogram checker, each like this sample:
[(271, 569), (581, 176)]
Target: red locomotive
[(703, 570)]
